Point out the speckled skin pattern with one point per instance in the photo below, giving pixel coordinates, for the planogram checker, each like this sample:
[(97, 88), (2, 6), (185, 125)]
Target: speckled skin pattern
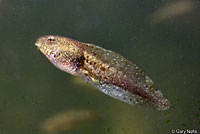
[(108, 71)]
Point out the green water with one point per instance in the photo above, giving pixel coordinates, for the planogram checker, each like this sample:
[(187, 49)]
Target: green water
[(32, 90)]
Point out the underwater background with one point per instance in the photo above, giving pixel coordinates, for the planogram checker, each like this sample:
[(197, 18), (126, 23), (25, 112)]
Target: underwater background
[(160, 36)]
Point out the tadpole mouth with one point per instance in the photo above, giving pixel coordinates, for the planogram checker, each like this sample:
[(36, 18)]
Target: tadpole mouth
[(38, 45)]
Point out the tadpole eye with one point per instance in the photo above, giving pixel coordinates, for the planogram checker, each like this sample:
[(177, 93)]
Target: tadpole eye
[(51, 39)]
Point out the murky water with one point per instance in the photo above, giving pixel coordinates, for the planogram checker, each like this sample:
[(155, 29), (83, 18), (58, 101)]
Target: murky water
[(161, 38)]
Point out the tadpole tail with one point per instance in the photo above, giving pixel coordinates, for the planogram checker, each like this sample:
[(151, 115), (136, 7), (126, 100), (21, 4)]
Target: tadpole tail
[(155, 99)]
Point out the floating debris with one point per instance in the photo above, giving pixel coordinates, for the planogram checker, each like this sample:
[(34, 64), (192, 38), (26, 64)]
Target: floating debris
[(172, 9), (68, 120)]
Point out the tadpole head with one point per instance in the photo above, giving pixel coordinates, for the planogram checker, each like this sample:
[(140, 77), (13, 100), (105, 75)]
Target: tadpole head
[(60, 51)]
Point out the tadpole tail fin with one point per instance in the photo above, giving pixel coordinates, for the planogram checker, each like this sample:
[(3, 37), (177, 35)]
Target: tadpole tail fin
[(158, 100), (155, 98), (151, 97)]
